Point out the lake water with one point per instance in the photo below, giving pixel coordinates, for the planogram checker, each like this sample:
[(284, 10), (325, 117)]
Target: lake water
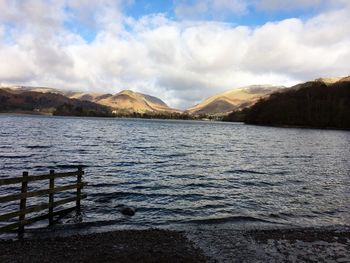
[(179, 172)]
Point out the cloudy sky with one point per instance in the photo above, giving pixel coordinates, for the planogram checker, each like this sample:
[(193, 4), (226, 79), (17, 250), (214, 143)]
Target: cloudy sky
[(181, 51)]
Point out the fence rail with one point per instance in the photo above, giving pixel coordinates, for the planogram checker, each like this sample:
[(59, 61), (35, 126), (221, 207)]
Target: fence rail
[(50, 205)]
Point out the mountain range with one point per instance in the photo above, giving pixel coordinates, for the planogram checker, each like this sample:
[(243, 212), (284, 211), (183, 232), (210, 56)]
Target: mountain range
[(43, 99), (15, 99), (125, 100), (130, 101)]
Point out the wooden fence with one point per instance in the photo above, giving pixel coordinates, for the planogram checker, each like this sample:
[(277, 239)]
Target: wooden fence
[(50, 205)]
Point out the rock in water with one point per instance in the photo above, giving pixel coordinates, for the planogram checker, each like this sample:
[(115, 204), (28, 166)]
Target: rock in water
[(128, 211)]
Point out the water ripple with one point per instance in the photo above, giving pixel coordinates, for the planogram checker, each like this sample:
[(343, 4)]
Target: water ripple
[(184, 171)]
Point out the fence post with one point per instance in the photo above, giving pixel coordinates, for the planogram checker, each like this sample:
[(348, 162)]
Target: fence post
[(23, 202), (51, 196), (80, 172)]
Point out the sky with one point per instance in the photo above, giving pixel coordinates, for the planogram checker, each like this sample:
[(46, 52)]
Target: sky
[(181, 51)]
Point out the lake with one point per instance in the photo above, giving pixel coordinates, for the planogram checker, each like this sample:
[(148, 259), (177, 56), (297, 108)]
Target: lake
[(180, 172)]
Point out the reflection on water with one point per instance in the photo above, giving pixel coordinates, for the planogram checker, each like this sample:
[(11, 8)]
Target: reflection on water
[(187, 171)]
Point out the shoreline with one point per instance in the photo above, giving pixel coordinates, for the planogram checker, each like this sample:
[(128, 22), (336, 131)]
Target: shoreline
[(29, 113), (273, 245), (118, 246), (287, 126), (202, 244)]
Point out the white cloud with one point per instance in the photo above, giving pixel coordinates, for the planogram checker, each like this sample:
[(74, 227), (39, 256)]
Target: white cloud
[(178, 61), (15, 66), (2, 33), (302, 50)]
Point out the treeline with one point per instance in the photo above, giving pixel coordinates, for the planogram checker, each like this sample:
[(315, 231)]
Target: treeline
[(154, 115), (313, 104), (71, 110), (160, 115)]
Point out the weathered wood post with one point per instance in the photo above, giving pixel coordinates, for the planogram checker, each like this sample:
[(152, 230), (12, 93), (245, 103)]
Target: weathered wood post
[(23, 202), (23, 213), (51, 196), (79, 175)]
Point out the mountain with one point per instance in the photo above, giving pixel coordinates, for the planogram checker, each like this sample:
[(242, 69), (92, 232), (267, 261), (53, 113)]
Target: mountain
[(21, 89), (27, 100), (126, 100), (134, 102), (329, 81), (228, 101), (319, 103), (85, 96)]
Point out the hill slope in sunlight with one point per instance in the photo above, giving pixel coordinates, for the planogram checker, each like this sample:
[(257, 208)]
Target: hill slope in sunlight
[(134, 102), (228, 101), (125, 100), (320, 103)]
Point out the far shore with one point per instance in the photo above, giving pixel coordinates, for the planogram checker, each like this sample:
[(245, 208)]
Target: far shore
[(295, 126), (131, 116), (25, 113)]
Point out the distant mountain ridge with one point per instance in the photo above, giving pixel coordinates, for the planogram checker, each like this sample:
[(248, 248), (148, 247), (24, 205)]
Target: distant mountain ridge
[(126, 100), (226, 102), (26, 100), (130, 101), (134, 102)]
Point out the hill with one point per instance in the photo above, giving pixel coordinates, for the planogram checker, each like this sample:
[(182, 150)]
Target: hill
[(14, 100), (236, 99), (319, 103), (134, 102), (126, 100)]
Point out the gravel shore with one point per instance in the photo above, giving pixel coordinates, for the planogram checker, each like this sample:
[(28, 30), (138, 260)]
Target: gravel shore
[(200, 244), (119, 246), (273, 245)]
